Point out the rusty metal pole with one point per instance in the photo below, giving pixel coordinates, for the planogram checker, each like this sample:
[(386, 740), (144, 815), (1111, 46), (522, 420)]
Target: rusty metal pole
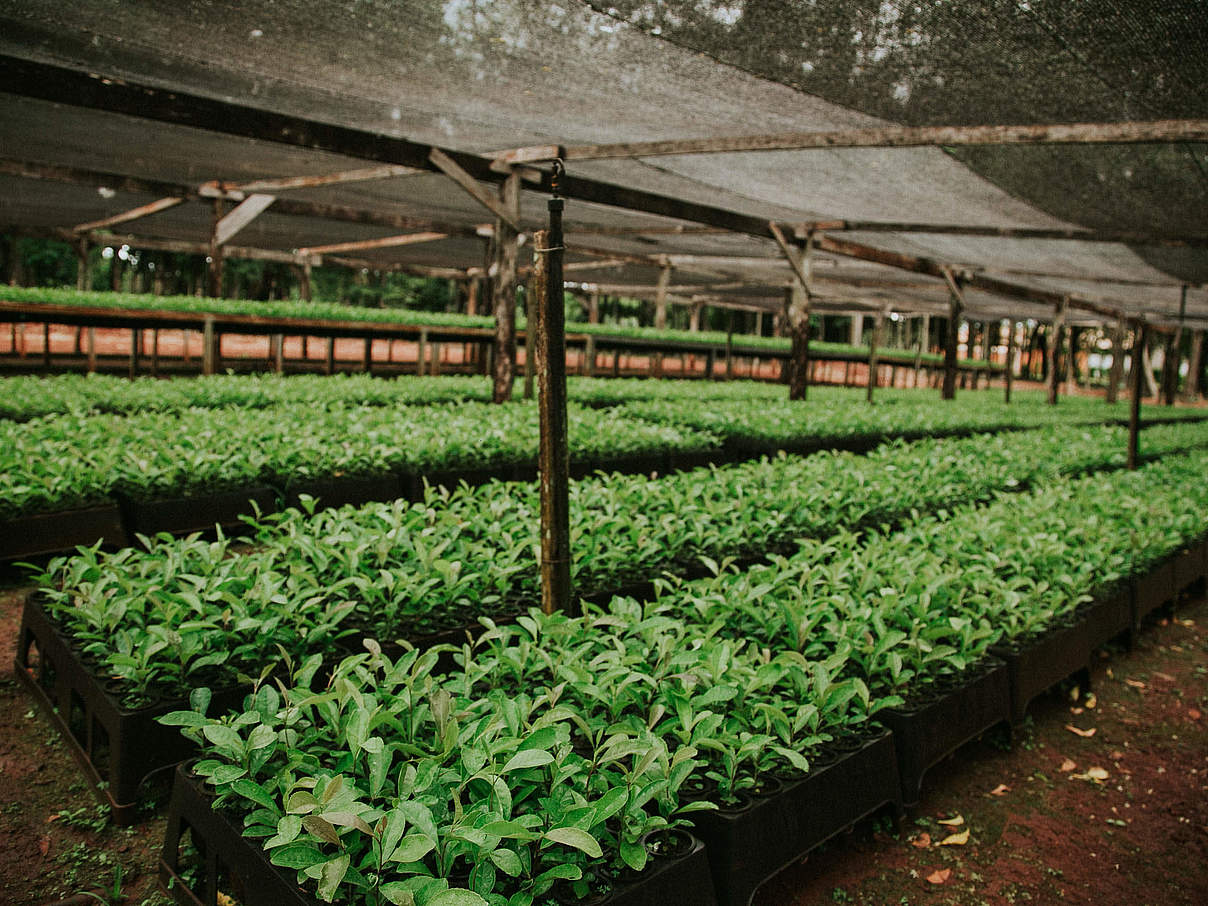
[(554, 460), (1141, 337)]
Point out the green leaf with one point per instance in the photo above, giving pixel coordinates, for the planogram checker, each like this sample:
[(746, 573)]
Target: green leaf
[(183, 719), (224, 737), (576, 838), (394, 892), (299, 855), (199, 699), (412, 848), (456, 897), (508, 862), (528, 758), (261, 737), (321, 828), (333, 873), (249, 789)]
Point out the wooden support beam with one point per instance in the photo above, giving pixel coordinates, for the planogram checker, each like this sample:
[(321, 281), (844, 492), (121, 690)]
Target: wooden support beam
[(329, 357), (503, 285), (421, 352), (877, 327), (277, 343), (554, 463), (797, 309), (1140, 341), (1157, 131), (214, 272), (1055, 338), (304, 289), (83, 265), (458, 174), (91, 350), (956, 304), (1009, 376), (530, 334), (326, 179), (1123, 237), (1174, 351), (362, 244), (240, 216), (1191, 390), (923, 340), (1117, 369), (209, 348), (138, 213), (660, 309)]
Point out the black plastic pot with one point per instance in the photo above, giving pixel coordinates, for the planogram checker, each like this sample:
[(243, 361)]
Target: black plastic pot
[(180, 515), (677, 879), (452, 478), (747, 846), (342, 490), (52, 533), (1187, 566), (926, 734), (1036, 666), (120, 749), (631, 464), (686, 460)]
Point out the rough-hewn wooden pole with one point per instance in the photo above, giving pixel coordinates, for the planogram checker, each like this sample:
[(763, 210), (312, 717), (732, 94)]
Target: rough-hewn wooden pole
[(1174, 352), (1191, 390), (83, 269), (1055, 351), (660, 311), (530, 335), (209, 345), (1116, 372), (551, 378), (878, 325), (797, 315), (507, 241), (214, 275), (955, 305), (1009, 378), (922, 341), (278, 348), (1141, 338)]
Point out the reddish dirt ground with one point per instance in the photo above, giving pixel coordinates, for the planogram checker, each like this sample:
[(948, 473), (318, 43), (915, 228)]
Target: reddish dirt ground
[(1117, 817)]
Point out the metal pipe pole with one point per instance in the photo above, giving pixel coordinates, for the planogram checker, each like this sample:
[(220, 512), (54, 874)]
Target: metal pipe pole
[(555, 457)]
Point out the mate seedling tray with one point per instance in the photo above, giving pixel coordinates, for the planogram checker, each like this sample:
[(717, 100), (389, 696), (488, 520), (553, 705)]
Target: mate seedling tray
[(121, 750)]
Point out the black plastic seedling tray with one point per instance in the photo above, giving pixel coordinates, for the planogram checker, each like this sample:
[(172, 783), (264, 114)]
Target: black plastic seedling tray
[(1188, 566), (1108, 616), (1151, 591), (748, 846), (926, 732), (121, 750), (1039, 664), (343, 490), (223, 861), (53, 533), (180, 515)]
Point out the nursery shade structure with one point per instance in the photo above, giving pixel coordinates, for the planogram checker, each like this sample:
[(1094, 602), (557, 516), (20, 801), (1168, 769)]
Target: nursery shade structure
[(401, 77)]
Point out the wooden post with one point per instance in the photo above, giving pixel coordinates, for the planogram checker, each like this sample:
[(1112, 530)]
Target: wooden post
[(155, 352), (589, 356), (472, 296), (136, 337), (797, 315), (214, 282), (730, 347), (1174, 351), (1117, 369), (1191, 390), (46, 345), (593, 307), (955, 305), (660, 311), (304, 290), (1134, 412), (83, 268), (507, 241), (91, 349), (329, 363), (435, 369), (367, 355), (530, 334), (710, 363), (856, 332), (421, 352), (278, 343), (694, 316), (1009, 378), (924, 339), (1071, 364), (555, 455), (1055, 350), (877, 327)]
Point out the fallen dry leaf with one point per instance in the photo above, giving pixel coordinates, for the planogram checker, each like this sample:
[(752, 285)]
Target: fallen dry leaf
[(1067, 766), (939, 877), (954, 821), (1194, 713), (1001, 790), (44, 845), (1136, 684), (1075, 711), (922, 841), (1097, 774), (1164, 677), (1078, 731), (1091, 700), (1115, 755), (956, 839)]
